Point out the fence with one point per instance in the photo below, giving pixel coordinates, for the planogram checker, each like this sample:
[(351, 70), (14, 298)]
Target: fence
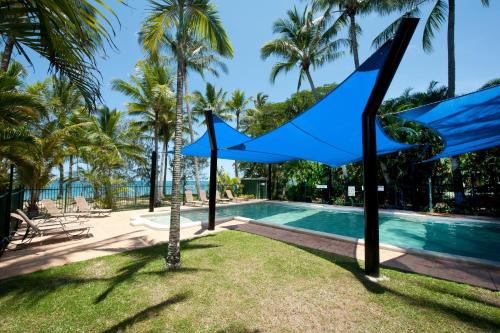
[(7, 228), (480, 200)]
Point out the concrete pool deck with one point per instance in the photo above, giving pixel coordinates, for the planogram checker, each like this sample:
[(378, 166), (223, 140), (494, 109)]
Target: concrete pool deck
[(114, 234)]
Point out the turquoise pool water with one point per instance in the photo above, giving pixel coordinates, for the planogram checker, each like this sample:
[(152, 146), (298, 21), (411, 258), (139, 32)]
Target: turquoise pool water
[(471, 239)]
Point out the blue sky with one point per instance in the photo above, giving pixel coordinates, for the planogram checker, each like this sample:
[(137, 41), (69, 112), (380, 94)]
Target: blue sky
[(249, 25)]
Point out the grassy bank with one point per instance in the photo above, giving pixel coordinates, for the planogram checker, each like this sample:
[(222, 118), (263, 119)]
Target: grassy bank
[(236, 282)]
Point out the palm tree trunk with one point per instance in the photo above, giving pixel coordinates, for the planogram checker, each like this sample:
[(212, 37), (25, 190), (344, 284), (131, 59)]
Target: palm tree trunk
[(70, 180), (7, 53), (173, 258), (354, 39), (166, 167), (237, 128), (156, 146), (311, 83), (61, 181), (345, 174), (456, 173), (191, 136), (160, 176)]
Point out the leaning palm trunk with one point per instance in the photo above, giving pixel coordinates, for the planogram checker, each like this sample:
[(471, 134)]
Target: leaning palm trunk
[(7, 53), (165, 162), (173, 258), (191, 137), (456, 173)]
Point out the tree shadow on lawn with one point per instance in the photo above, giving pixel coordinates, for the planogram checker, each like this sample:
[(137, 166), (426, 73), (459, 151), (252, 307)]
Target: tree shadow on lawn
[(147, 313), (33, 287), (474, 318)]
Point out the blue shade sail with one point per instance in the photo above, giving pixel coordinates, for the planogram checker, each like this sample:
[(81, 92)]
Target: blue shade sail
[(227, 136), (467, 123), (330, 131)]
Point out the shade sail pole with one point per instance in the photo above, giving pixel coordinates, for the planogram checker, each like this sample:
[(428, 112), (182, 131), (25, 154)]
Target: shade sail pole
[(269, 182), (213, 168), (396, 52)]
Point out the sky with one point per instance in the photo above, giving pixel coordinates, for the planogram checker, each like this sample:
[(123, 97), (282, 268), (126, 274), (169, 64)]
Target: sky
[(249, 26)]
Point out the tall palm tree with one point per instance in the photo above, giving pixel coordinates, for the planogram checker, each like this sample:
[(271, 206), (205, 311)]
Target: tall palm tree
[(442, 11), (212, 99), (200, 59), (238, 104), (304, 42), (347, 12), (171, 24), (151, 91), (67, 33)]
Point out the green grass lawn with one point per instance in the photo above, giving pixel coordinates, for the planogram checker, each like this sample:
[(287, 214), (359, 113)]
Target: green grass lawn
[(237, 282)]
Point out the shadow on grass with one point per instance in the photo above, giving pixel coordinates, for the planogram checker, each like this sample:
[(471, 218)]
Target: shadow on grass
[(436, 303), (146, 313), (31, 288)]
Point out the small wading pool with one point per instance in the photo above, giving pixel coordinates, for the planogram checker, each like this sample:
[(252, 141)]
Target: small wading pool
[(453, 236)]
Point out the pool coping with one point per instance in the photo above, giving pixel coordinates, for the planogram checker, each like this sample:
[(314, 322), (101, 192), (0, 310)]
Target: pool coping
[(140, 219)]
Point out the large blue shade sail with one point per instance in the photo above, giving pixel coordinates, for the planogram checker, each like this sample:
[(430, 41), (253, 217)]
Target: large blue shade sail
[(467, 123), (227, 136), (330, 131)]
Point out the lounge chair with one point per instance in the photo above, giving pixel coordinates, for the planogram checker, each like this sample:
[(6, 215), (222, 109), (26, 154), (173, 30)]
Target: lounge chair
[(41, 229), (54, 213), (231, 197), (190, 200), (219, 199), (203, 197), (82, 206)]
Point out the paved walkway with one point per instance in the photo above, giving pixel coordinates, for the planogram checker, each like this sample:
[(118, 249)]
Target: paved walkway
[(114, 234)]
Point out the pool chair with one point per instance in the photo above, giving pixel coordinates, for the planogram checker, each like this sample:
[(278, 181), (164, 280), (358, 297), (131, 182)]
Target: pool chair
[(203, 197), (231, 197), (219, 199), (54, 213), (190, 200), (34, 229), (83, 206)]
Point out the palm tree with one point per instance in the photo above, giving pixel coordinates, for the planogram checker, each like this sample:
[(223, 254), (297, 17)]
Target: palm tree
[(442, 10), (151, 91), (347, 11), (212, 99), (67, 33), (238, 103), (200, 59), (172, 23), (16, 106), (304, 42)]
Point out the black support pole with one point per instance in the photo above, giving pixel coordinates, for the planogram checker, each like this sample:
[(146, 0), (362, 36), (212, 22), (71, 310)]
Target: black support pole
[(270, 182), (8, 204), (386, 74), (213, 168), (152, 182), (330, 184)]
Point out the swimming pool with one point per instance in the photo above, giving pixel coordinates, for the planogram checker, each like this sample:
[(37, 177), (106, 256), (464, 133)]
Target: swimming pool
[(409, 231)]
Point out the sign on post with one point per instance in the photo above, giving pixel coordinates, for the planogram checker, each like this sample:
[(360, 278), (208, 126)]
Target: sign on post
[(321, 186), (351, 191)]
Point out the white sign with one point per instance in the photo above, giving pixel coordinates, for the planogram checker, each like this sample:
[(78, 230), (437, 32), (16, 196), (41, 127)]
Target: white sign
[(351, 191), (321, 186), (380, 188)]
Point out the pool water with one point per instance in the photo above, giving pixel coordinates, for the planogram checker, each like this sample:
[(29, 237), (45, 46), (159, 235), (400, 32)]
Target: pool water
[(465, 238)]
